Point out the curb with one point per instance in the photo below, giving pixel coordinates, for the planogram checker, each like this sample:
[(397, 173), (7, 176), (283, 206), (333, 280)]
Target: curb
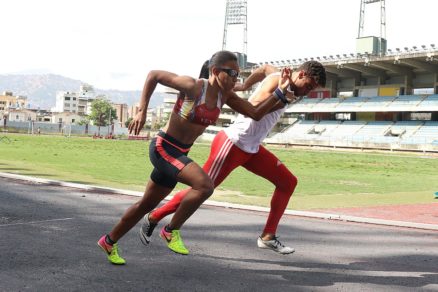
[(336, 217)]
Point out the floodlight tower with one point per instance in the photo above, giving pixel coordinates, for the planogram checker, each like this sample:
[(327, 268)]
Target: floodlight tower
[(236, 15), (382, 38)]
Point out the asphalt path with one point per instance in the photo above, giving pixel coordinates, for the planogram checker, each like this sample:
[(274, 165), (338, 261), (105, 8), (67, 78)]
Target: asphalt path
[(48, 238)]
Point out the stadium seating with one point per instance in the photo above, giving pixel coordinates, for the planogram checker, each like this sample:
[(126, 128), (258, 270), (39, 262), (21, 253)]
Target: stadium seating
[(327, 105), (348, 128), (351, 104), (305, 105), (405, 129), (404, 135), (378, 103), (300, 128), (405, 103), (371, 130), (427, 133), (359, 133), (430, 103)]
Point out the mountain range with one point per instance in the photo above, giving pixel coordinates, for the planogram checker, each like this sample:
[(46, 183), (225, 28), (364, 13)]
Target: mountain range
[(41, 90)]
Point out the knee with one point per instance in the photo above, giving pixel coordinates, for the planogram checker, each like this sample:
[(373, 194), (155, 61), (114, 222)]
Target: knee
[(288, 183), (293, 181), (206, 188)]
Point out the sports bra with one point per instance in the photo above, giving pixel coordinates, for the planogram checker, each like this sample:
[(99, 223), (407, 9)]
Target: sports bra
[(195, 109)]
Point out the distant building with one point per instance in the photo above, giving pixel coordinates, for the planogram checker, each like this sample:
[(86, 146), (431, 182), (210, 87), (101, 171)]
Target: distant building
[(8, 102), (66, 118), (151, 115), (21, 115), (163, 111), (44, 116), (75, 102), (151, 118), (122, 113), (133, 110), (156, 117)]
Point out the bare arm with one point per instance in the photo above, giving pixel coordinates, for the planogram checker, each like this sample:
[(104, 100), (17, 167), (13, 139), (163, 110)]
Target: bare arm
[(267, 100), (256, 76), (254, 112), (184, 84)]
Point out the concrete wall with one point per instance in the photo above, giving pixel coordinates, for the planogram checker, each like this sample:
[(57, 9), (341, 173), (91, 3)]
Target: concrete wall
[(63, 129)]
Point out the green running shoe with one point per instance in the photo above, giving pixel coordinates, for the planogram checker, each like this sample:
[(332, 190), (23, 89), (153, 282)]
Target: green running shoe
[(174, 241), (111, 252)]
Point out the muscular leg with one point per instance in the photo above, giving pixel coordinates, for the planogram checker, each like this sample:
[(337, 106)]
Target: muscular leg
[(153, 195), (223, 159), (170, 207), (267, 165), (201, 188)]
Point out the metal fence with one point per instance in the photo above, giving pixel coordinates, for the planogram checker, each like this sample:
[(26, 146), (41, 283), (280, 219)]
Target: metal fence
[(32, 127)]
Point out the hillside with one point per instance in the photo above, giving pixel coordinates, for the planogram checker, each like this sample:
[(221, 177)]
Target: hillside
[(41, 90)]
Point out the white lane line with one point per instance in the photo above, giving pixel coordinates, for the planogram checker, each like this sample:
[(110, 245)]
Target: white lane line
[(35, 222)]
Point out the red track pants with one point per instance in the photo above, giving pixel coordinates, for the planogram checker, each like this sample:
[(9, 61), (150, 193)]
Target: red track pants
[(224, 158)]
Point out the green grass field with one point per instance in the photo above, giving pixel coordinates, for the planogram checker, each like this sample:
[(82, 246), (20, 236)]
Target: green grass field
[(327, 179)]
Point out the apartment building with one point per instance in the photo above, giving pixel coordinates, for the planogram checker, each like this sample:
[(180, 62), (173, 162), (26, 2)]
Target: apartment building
[(122, 113), (9, 101), (75, 102)]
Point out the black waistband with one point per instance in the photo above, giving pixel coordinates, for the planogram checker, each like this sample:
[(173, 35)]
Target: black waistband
[(173, 140)]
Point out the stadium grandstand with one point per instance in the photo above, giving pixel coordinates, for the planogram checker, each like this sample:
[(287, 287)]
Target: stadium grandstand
[(370, 101)]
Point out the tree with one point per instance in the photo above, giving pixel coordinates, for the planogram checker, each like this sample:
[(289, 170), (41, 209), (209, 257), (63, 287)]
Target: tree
[(128, 121), (159, 124), (102, 113), (84, 121)]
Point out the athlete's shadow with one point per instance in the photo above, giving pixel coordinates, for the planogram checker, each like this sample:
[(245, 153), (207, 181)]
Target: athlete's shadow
[(343, 253), (326, 274)]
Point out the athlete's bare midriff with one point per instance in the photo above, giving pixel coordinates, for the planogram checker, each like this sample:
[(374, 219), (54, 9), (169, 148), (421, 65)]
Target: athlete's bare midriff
[(183, 130)]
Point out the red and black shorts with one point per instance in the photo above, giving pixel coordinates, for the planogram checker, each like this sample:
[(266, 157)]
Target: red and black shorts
[(169, 157)]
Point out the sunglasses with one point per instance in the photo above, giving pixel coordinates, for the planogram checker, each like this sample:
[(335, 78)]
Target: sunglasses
[(230, 72)]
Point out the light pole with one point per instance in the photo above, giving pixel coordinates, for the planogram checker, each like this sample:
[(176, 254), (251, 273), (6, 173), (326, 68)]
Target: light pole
[(109, 121)]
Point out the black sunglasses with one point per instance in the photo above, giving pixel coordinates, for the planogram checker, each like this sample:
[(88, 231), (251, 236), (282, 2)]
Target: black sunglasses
[(230, 72)]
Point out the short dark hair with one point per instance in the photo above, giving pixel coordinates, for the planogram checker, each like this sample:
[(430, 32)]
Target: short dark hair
[(221, 57), (315, 70)]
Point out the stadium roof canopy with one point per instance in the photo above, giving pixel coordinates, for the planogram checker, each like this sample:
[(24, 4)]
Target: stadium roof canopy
[(411, 67)]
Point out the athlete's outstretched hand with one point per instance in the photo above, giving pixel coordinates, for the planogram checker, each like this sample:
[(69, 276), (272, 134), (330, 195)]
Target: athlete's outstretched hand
[(137, 123), (285, 79), (284, 84)]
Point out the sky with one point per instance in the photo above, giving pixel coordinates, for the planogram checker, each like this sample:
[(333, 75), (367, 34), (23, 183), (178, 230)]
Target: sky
[(113, 44)]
